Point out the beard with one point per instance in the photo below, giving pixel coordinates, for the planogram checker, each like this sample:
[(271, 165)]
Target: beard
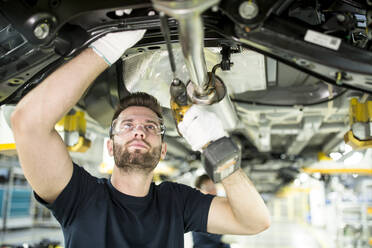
[(136, 161)]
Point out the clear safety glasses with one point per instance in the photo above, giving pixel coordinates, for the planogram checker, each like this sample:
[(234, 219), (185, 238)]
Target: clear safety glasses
[(129, 123)]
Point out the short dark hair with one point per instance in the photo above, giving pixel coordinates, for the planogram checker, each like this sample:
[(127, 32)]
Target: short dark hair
[(200, 180), (141, 99)]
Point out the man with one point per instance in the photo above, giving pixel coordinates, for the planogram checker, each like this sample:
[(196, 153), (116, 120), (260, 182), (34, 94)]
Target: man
[(207, 240), (127, 210)]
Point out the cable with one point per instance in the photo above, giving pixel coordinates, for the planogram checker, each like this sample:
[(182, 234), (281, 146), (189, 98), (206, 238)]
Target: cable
[(287, 105), (165, 29)]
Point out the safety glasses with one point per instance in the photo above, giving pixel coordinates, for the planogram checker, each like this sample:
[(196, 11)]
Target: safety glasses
[(127, 124)]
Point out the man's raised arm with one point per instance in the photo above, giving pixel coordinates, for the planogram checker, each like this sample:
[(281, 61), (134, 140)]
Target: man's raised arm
[(43, 155), (243, 211)]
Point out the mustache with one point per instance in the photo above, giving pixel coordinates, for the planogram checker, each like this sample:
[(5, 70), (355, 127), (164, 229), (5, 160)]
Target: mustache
[(133, 140)]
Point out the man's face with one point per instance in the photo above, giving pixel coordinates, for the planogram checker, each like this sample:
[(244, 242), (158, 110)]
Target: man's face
[(137, 148)]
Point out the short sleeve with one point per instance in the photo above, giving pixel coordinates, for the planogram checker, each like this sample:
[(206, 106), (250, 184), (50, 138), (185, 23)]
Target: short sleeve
[(196, 208), (73, 196)]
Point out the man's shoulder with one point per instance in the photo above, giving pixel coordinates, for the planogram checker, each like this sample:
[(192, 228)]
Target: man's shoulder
[(83, 175), (169, 184), (173, 187)]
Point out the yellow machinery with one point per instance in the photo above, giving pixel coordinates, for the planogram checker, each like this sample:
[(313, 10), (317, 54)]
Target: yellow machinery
[(74, 128), (360, 135)]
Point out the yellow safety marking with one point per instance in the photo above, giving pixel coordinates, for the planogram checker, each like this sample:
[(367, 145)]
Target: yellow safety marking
[(323, 157), (337, 171), (6, 147)]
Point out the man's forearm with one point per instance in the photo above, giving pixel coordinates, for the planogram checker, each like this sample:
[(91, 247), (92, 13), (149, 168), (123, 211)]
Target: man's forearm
[(246, 203), (60, 91)]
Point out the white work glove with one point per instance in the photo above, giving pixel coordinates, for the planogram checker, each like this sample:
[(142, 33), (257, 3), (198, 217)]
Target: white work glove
[(200, 126), (111, 46)]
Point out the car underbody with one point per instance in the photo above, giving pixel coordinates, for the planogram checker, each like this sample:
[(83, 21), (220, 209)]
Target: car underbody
[(290, 68)]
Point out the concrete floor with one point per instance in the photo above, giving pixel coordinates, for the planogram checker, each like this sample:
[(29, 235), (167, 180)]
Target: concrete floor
[(285, 234), (31, 235), (281, 234)]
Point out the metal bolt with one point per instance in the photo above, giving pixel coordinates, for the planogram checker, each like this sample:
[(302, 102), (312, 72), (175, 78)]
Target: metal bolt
[(41, 31), (119, 12), (215, 8), (248, 10), (303, 62), (340, 18)]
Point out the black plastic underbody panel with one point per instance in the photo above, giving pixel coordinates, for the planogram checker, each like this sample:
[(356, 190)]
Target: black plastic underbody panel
[(25, 60)]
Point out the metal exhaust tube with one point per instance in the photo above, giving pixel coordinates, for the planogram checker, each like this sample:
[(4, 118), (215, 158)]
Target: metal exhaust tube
[(188, 15), (192, 48)]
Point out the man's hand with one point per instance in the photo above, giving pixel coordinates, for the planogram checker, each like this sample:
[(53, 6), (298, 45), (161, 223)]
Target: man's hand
[(199, 127), (112, 46), (203, 130), (243, 211)]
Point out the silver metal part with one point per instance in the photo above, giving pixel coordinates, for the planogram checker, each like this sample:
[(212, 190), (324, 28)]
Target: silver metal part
[(190, 22), (142, 71), (362, 131), (193, 51), (214, 95), (248, 10), (41, 31), (70, 138), (310, 126), (272, 71), (225, 110)]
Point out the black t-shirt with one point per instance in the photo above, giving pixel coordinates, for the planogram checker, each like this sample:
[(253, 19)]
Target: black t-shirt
[(93, 213), (208, 240)]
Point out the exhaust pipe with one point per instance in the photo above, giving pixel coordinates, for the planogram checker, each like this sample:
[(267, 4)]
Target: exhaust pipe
[(188, 15), (192, 48)]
